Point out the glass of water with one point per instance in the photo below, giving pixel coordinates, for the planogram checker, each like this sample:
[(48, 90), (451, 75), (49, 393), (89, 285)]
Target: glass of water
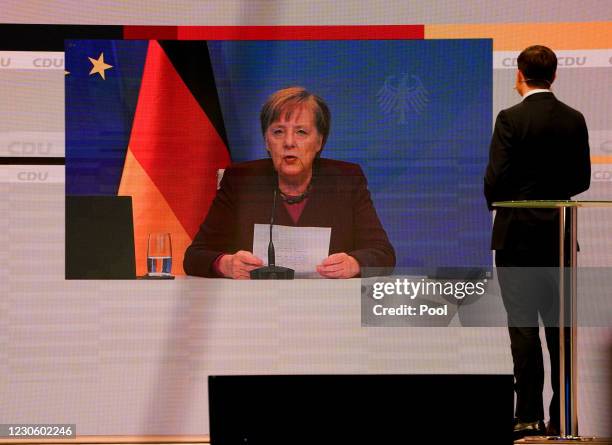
[(159, 255)]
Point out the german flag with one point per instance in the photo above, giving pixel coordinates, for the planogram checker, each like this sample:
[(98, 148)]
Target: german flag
[(176, 146)]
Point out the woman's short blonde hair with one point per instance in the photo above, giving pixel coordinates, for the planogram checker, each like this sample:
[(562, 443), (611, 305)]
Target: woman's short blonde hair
[(284, 101)]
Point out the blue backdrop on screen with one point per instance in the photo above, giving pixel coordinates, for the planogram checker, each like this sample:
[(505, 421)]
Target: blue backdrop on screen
[(415, 114)]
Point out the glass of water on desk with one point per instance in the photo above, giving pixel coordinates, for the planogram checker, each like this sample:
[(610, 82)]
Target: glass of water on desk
[(159, 255)]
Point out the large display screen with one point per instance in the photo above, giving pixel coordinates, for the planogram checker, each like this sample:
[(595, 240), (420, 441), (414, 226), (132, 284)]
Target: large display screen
[(413, 102), (414, 114)]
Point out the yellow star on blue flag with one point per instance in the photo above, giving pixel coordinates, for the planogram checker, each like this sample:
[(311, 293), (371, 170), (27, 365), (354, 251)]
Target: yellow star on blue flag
[(99, 66)]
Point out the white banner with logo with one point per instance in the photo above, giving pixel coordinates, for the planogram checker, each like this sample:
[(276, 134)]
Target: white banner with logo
[(31, 60), (578, 58), (32, 174)]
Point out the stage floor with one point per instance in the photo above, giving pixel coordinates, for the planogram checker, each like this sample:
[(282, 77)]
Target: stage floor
[(201, 440), (542, 440)]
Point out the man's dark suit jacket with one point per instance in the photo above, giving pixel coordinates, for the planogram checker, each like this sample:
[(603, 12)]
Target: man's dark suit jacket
[(339, 199), (539, 150)]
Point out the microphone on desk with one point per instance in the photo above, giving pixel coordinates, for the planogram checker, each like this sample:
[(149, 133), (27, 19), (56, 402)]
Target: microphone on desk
[(272, 271)]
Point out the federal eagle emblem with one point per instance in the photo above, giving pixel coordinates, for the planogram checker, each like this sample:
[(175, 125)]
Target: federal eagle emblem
[(403, 97)]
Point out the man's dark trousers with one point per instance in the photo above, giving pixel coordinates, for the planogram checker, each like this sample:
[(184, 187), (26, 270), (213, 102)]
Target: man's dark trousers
[(529, 282)]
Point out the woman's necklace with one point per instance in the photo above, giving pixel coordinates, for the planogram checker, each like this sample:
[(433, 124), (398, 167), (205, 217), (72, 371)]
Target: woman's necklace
[(291, 199)]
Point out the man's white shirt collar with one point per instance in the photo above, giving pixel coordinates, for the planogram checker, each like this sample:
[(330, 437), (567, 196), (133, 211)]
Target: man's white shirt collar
[(534, 91)]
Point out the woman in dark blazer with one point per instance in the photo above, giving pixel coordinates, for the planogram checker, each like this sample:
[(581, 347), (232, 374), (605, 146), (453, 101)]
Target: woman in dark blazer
[(315, 192)]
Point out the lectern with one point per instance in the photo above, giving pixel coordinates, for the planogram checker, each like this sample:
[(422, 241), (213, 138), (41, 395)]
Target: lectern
[(568, 289)]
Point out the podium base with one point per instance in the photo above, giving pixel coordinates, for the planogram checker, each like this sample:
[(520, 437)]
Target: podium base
[(272, 273)]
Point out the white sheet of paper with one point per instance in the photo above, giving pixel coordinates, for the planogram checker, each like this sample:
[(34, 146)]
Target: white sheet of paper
[(299, 248)]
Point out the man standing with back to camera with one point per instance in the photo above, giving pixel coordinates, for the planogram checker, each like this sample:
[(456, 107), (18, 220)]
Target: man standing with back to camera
[(539, 150)]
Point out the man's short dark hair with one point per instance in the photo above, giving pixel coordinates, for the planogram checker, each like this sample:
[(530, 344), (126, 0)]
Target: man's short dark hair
[(538, 64)]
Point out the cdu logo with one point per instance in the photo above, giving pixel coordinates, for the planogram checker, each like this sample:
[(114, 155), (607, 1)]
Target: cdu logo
[(47, 62), (403, 97), (509, 62), (571, 61), (606, 146), (33, 176), (30, 148), (602, 175)]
